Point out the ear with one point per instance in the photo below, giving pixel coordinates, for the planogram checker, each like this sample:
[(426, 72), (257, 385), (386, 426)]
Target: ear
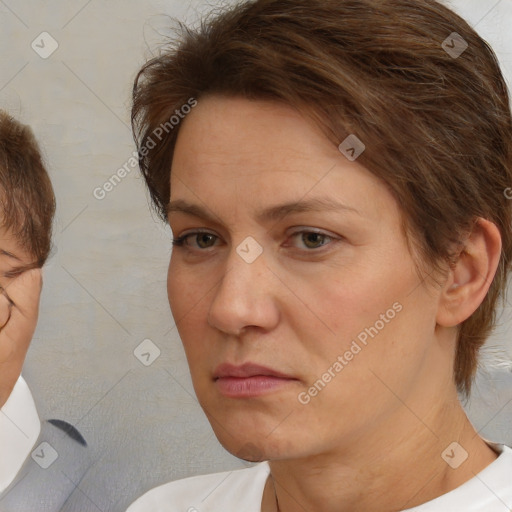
[(470, 277)]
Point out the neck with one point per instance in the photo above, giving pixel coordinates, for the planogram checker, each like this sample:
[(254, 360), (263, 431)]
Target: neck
[(406, 459)]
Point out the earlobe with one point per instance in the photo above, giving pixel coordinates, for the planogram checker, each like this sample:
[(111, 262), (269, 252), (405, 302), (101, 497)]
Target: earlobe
[(471, 275)]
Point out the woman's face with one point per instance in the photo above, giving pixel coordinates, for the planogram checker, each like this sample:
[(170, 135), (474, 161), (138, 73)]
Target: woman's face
[(304, 321)]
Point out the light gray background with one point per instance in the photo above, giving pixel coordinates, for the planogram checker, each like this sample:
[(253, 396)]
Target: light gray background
[(104, 290)]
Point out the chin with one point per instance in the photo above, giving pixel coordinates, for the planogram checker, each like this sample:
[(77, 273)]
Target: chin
[(256, 445), (247, 428)]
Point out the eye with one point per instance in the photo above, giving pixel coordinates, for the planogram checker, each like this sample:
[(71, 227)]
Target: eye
[(203, 239), (312, 239)]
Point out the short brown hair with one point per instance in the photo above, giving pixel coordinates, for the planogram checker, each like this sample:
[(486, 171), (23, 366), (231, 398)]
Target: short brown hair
[(437, 126), (26, 193)]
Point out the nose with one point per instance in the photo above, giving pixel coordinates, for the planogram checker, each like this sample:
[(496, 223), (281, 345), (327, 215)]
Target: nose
[(245, 297)]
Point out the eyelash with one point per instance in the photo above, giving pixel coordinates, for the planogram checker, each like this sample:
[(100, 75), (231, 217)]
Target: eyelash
[(180, 241)]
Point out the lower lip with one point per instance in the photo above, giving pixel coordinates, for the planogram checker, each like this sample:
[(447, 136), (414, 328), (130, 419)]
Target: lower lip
[(247, 387)]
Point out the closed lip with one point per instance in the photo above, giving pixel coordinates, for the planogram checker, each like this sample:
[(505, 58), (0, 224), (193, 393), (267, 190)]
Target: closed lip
[(247, 370)]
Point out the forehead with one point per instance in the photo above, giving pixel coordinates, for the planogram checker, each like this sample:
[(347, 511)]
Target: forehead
[(247, 132), (239, 152), (10, 247)]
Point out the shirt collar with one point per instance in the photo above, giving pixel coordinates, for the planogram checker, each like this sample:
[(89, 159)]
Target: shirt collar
[(19, 429), (488, 490)]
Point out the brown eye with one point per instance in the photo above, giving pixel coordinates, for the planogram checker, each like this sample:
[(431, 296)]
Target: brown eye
[(204, 240), (311, 240)]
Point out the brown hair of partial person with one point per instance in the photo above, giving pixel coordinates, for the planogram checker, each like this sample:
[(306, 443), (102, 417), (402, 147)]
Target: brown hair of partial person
[(26, 193), (437, 128)]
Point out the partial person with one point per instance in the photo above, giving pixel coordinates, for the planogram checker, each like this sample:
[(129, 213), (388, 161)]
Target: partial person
[(41, 462), (341, 244)]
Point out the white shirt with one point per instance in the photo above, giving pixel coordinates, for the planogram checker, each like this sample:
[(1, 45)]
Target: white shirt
[(242, 490), (19, 430)]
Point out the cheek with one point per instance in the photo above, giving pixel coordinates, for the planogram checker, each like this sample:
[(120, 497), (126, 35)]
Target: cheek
[(181, 291), (376, 310), (383, 333), (188, 300), (347, 303), (172, 278)]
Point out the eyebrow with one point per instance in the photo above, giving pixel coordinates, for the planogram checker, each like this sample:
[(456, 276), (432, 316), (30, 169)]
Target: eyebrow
[(274, 213), (10, 254)]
